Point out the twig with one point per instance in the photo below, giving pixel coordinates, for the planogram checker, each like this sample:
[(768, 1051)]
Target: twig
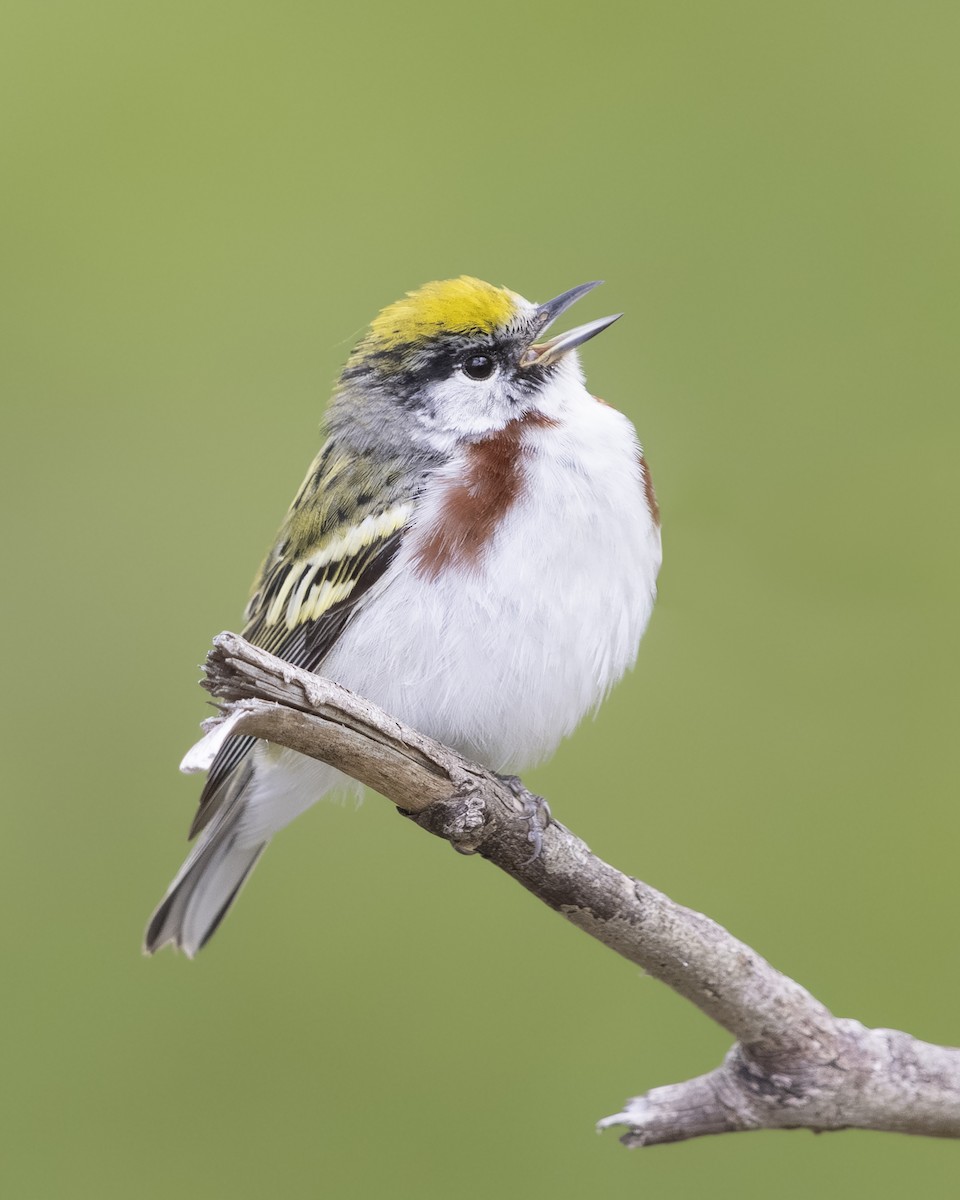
[(794, 1064)]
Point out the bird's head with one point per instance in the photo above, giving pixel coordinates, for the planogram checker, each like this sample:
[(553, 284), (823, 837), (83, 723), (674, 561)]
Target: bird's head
[(463, 358)]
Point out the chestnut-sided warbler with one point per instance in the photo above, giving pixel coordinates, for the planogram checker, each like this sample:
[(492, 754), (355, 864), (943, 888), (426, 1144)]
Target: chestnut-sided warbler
[(475, 549)]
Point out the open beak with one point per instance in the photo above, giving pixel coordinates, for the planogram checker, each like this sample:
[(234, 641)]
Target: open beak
[(544, 353)]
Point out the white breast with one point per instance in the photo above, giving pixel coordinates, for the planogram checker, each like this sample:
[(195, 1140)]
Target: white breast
[(503, 659)]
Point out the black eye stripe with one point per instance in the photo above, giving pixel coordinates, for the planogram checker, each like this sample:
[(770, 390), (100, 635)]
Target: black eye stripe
[(404, 374)]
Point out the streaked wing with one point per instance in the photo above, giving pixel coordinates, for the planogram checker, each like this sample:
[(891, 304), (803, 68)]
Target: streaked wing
[(314, 581)]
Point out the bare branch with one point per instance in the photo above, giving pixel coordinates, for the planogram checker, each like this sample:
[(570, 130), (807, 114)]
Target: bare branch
[(794, 1064)]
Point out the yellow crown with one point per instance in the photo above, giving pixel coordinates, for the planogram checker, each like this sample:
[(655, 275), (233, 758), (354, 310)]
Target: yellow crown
[(463, 305)]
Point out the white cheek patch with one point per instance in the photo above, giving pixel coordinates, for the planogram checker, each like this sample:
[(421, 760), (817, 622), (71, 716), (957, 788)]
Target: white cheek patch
[(461, 407)]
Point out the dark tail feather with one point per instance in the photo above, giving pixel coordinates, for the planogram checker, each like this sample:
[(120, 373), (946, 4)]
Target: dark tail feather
[(207, 884)]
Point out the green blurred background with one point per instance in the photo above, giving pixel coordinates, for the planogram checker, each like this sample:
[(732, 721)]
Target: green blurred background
[(205, 203)]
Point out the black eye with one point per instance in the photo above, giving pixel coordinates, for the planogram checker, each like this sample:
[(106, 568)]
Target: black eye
[(478, 366)]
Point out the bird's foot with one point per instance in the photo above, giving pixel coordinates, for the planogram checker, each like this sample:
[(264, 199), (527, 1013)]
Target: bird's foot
[(534, 810)]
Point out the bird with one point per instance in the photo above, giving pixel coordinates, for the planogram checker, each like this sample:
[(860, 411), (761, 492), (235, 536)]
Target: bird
[(475, 549)]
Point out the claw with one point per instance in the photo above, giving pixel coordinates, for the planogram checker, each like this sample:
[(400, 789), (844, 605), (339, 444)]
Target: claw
[(535, 811)]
